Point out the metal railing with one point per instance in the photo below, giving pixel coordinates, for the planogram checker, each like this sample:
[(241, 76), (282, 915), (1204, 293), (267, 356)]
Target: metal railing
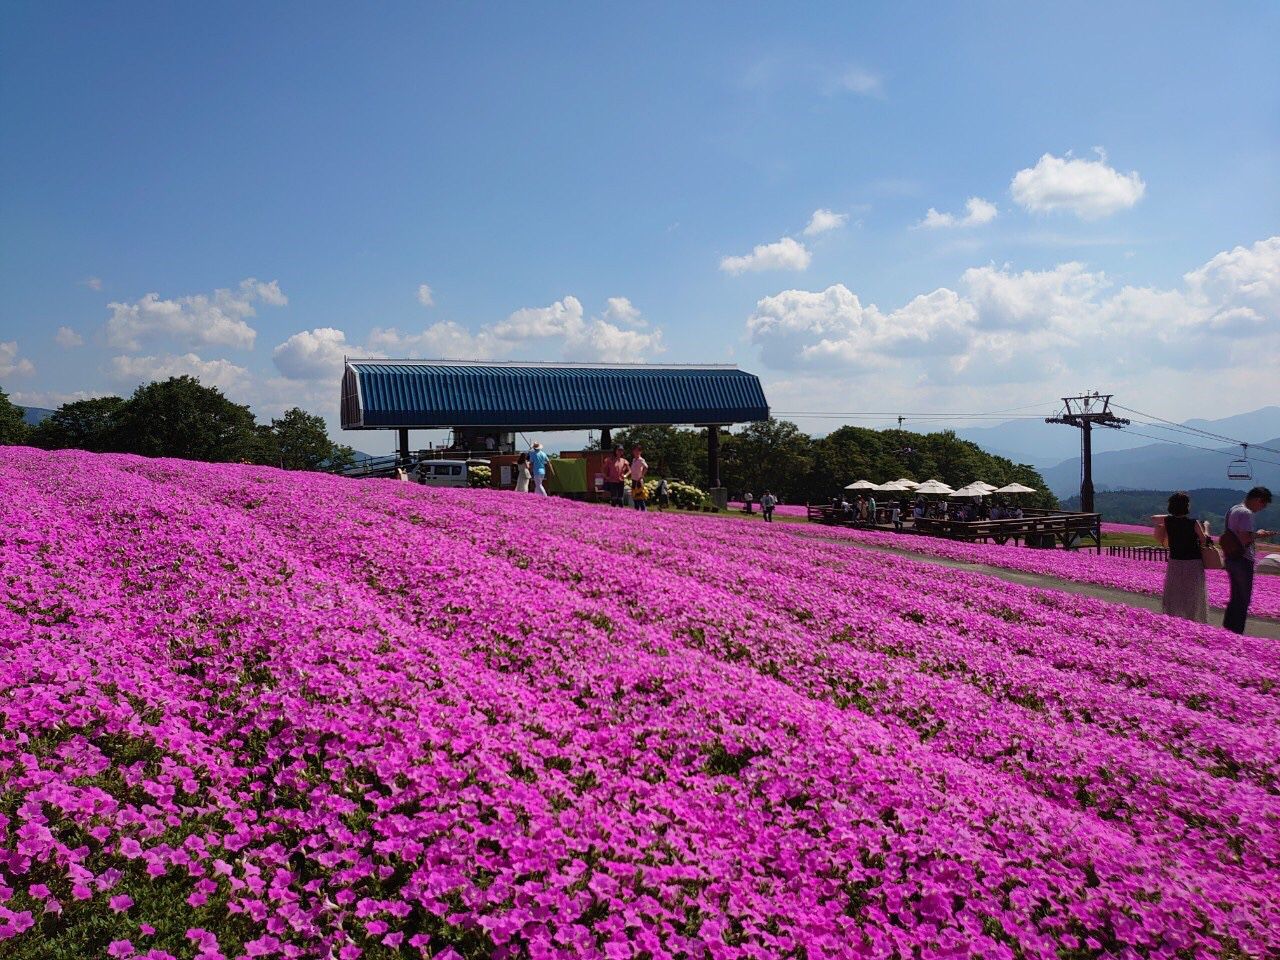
[(1160, 554)]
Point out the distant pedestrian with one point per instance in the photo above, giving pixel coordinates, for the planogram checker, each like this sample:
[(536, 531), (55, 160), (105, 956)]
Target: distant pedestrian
[(523, 474), (767, 503), (540, 467), (616, 473), (1237, 542), (1184, 593), (664, 493), (747, 500), (895, 515), (871, 510)]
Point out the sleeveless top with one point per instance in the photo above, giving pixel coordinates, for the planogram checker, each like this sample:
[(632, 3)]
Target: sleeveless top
[(1183, 542)]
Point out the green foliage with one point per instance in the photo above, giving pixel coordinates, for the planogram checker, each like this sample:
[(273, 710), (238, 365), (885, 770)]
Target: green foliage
[(82, 425), (683, 495), (180, 417), (13, 429), (776, 455), (302, 442), (768, 455), (478, 476), (183, 418)]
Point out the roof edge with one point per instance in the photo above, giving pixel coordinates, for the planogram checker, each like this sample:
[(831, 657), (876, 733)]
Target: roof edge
[(554, 364)]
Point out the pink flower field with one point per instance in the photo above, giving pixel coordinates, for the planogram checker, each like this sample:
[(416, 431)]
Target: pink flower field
[(249, 713), (1127, 528), (1080, 566)]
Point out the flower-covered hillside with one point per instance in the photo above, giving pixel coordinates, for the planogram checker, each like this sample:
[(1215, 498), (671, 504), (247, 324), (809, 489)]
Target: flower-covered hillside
[(252, 713)]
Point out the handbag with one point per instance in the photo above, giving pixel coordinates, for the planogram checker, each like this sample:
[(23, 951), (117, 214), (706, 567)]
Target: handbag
[(1211, 556)]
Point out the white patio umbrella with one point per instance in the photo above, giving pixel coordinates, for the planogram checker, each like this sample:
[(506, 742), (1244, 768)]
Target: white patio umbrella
[(907, 482), (983, 485), (934, 488), (969, 491), (861, 485), (1015, 488), (892, 487)]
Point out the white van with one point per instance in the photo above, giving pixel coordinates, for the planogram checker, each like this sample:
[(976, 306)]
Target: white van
[(441, 473)]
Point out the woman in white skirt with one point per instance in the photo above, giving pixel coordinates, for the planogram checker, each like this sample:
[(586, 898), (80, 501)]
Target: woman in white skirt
[(522, 473), (1184, 593)]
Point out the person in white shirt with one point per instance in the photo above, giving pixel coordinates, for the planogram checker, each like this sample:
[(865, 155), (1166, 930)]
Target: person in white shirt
[(1239, 562)]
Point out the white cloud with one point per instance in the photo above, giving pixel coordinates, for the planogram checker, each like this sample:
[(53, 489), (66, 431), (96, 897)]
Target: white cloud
[(977, 212), (223, 374), (93, 283), (50, 399), (785, 254), (1023, 301), (11, 364), (1088, 188), (425, 295), (312, 355), (824, 220), (862, 82), (562, 319), (533, 333), (1034, 326), (218, 319), (446, 339), (66, 337), (1245, 280), (620, 310)]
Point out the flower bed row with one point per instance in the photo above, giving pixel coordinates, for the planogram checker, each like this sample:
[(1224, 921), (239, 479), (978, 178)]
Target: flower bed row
[(1079, 566), (249, 713)]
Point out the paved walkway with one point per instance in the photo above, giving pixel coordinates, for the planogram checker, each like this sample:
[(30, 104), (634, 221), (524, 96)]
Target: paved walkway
[(1255, 627)]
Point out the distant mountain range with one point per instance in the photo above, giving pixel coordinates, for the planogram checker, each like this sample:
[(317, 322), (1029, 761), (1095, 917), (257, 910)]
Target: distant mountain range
[(1045, 444), (1165, 466), (33, 415), (1123, 460)]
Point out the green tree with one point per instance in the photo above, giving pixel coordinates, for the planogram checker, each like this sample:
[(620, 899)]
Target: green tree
[(302, 443), (13, 428), (769, 455), (180, 417), (82, 425)]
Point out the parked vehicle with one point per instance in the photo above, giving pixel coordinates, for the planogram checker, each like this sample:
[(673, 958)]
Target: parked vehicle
[(442, 473)]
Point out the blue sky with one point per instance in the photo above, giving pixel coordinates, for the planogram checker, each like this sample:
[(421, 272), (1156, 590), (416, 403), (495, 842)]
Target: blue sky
[(623, 182)]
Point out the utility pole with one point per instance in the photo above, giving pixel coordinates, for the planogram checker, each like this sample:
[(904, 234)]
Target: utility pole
[(1083, 412)]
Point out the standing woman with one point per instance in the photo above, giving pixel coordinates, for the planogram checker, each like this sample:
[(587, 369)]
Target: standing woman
[(1184, 593), (522, 473)]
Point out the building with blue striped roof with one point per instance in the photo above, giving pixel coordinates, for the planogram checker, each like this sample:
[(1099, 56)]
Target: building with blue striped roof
[(479, 398)]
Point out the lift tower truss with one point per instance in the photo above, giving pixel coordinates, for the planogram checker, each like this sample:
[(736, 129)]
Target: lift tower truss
[(1083, 412)]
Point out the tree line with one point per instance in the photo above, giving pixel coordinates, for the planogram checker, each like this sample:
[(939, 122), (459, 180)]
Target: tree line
[(777, 455), (179, 417)]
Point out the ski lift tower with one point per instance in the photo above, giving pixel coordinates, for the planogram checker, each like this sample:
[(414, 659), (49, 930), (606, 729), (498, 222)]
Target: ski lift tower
[(1083, 412)]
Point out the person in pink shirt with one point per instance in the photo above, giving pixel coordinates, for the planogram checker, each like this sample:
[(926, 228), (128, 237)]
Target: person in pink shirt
[(616, 473)]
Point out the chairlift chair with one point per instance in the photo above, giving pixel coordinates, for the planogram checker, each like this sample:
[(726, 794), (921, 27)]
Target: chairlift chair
[(1240, 469)]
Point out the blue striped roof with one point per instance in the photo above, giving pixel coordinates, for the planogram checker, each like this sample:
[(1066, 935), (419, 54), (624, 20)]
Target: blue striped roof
[(381, 394)]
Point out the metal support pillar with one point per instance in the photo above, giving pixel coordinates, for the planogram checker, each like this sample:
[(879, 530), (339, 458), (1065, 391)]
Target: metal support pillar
[(1086, 461), (404, 444), (606, 438), (713, 457)]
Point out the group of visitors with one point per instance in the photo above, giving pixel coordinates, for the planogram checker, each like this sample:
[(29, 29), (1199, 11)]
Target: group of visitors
[(767, 504), (624, 479), (860, 510), (1188, 541), (533, 466)]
